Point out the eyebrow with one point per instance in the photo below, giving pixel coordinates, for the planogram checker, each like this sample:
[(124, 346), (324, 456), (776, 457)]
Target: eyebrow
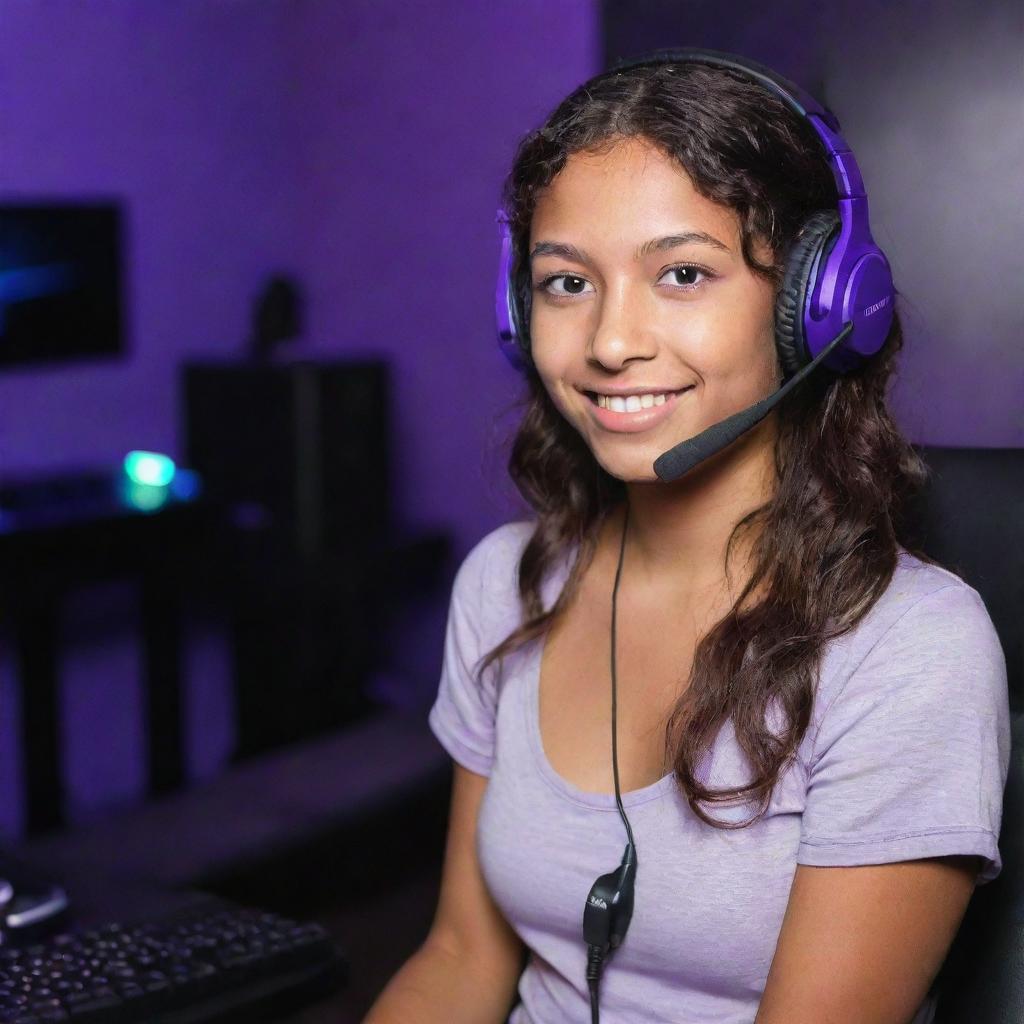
[(571, 252)]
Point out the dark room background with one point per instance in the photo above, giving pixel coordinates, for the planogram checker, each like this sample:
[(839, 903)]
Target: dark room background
[(360, 147)]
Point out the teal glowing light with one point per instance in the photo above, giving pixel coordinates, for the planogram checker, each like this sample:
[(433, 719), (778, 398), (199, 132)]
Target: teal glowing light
[(150, 468), (145, 497)]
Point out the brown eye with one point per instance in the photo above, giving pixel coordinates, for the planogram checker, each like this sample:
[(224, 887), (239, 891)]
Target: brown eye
[(571, 285), (685, 276)]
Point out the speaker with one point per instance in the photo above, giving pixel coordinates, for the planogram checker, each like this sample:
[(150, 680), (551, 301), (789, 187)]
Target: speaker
[(296, 455), (302, 449)]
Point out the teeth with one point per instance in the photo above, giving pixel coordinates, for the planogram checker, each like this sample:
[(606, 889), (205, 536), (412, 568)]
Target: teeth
[(632, 403)]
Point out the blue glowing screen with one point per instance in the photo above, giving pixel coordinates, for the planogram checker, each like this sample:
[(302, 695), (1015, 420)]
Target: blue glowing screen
[(60, 282)]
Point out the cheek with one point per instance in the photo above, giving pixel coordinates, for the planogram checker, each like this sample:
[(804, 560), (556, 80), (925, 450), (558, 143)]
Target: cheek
[(743, 347), (553, 366), (550, 377)]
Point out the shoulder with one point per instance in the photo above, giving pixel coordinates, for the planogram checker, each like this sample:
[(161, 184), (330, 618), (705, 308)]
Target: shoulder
[(492, 564), (928, 632), (486, 587), (482, 613), (928, 601)]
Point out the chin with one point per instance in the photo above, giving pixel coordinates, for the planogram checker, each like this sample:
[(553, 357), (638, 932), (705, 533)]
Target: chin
[(630, 469)]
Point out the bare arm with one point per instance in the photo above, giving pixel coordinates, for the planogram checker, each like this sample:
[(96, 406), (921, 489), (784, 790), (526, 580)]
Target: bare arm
[(862, 945), (467, 969)]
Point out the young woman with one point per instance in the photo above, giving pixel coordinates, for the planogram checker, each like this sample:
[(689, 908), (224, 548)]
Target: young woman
[(812, 731)]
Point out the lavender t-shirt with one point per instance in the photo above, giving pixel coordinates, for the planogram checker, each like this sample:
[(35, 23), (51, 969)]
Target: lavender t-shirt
[(906, 757)]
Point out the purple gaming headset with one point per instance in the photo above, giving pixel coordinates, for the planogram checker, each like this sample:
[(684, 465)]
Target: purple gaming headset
[(836, 301)]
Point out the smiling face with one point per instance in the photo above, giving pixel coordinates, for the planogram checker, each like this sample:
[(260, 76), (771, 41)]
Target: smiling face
[(646, 324)]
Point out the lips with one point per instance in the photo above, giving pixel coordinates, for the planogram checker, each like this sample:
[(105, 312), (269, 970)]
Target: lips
[(631, 421)]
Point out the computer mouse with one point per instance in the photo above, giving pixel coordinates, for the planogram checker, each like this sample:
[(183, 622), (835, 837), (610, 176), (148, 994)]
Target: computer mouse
[(31, 906)]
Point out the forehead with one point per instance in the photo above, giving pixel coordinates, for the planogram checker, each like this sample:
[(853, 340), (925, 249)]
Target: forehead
[(632, 190)]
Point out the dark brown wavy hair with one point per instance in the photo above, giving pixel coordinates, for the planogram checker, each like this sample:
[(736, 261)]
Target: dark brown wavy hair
[(825, 545)]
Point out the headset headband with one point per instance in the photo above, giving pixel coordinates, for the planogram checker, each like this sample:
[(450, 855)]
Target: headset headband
[(848, 179)]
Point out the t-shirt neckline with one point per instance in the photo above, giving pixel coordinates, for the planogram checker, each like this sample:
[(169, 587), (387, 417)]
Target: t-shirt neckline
[(562, 786)]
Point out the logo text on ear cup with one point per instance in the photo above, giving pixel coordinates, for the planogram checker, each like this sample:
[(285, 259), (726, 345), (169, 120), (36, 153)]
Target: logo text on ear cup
[(876, 307), (596, 901)]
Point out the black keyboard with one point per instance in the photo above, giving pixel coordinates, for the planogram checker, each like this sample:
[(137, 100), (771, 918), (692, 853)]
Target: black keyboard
[(213, 962)]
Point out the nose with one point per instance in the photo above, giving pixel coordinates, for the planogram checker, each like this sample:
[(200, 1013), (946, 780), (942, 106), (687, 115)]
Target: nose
[(622, 332)]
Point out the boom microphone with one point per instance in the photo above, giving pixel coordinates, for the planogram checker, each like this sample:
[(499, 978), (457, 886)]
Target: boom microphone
[(677, 461)]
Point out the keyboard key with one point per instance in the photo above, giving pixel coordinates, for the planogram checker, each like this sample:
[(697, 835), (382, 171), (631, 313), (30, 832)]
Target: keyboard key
[(101, 999), (131, 974)]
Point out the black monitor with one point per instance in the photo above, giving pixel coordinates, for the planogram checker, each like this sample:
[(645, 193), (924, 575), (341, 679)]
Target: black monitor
[(60, 282)]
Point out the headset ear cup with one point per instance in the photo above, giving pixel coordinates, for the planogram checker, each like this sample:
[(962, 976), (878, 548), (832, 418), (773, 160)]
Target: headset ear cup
[(814, 237)]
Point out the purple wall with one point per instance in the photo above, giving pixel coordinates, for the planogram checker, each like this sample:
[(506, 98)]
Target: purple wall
[(177, 109), (359, 145), (409, 120)]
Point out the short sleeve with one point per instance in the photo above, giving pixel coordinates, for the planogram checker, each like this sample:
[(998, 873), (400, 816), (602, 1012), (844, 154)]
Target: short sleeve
[(464, 712), (911, 757)]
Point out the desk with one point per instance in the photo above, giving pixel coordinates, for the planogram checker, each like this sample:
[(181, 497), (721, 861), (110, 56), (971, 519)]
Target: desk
[(60, 534), (298, 628)]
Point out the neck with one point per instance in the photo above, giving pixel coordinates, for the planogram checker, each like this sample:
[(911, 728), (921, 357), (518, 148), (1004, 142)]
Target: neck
[(678, 532)]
